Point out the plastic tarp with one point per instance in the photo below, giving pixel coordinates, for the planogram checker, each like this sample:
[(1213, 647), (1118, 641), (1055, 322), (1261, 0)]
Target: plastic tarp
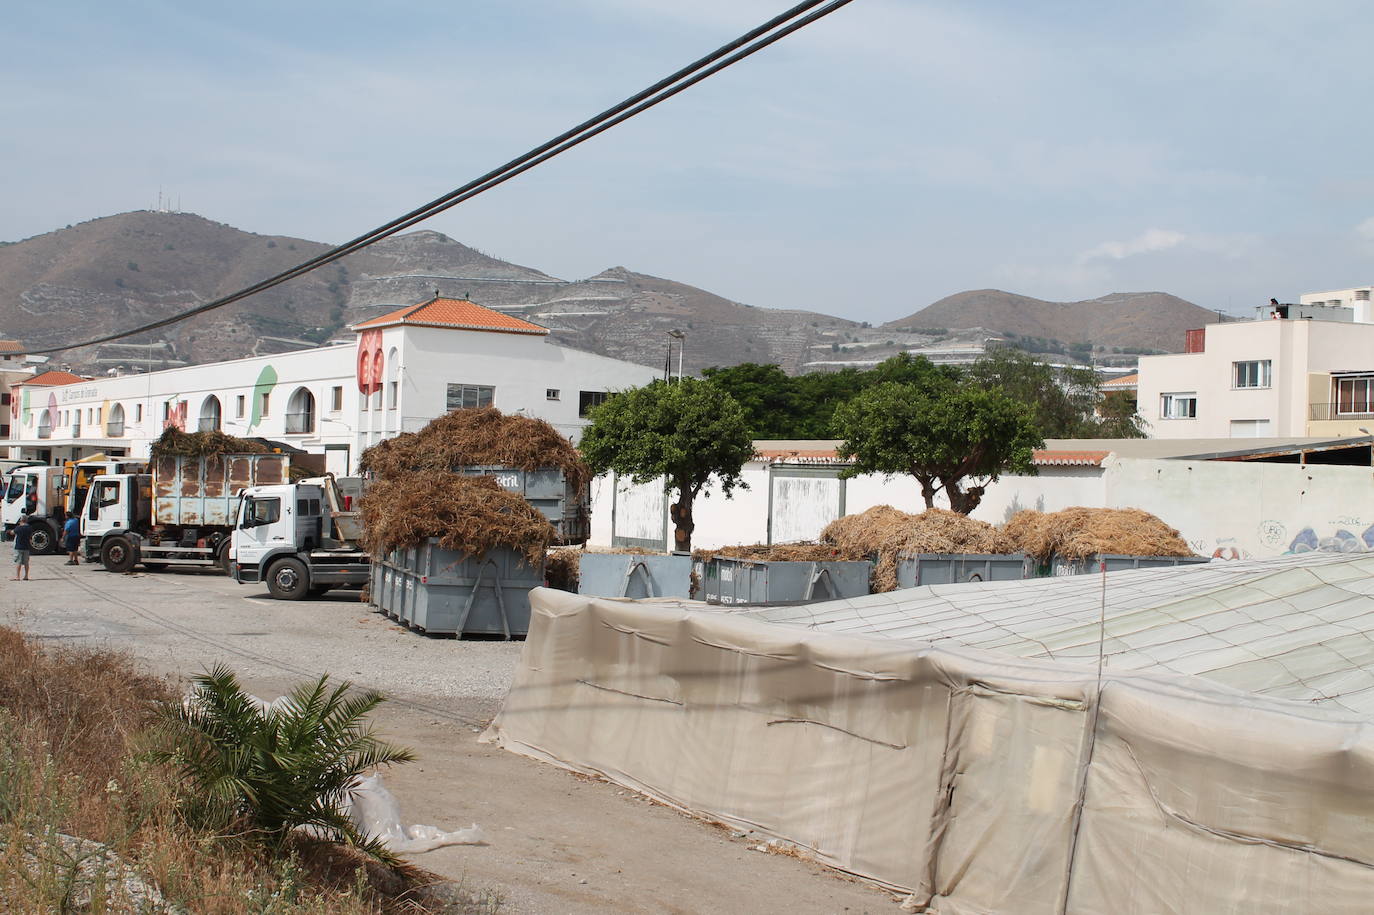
[(976, 780)]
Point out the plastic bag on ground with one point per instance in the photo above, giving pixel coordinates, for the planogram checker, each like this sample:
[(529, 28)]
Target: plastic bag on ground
[(375, 813)]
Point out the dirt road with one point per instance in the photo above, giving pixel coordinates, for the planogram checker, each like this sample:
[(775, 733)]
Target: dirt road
[(558, 842)]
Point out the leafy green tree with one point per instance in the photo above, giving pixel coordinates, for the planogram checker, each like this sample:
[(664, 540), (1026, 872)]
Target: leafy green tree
[(685, 432), (766, 393), (949, 435), (1063, 399), (819, 394), (276, 769), (1117, 417)]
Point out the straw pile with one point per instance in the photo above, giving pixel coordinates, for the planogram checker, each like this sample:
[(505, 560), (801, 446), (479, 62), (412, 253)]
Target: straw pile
[(778, 552), (1075, 533), (473, 437), (887, 533), (203, 444), (469, 515), (563, 570)]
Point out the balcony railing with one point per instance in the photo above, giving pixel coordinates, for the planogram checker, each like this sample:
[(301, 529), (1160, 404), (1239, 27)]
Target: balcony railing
[(300, 423), (76, 430), (1360, 411), (114, 430), (208, 424), (45, 431)]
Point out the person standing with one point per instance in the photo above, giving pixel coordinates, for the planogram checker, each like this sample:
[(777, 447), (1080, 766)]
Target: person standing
[(23, 531), (71, 539)]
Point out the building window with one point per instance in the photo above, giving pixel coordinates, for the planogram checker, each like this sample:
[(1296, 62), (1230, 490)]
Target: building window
[(5, 399), (588, 399), (467, 396), (138, 412), (264, 402), (1256, 373), (238, 406), (210, 415), (336, 398), (551, 394), (166, 410), (1353, 395), (300, 412), (393, 394), (1178, 406)]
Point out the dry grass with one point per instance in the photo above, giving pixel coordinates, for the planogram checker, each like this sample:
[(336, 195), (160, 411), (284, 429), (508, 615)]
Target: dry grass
[(1074, 533), (780, 552), (71, 727), (889, 534), (471, 515), (562, 569), (476, 437), (196, 444)]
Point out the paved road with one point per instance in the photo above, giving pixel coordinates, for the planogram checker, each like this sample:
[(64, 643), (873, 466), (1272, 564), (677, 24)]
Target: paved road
[(560, 843)]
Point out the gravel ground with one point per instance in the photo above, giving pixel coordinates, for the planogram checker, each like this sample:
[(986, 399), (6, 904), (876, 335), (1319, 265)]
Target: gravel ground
[(559, 843)]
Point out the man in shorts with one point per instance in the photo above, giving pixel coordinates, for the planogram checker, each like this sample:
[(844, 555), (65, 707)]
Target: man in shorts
[(23, 531)]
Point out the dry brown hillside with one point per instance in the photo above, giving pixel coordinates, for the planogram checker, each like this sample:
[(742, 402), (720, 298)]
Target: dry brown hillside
[(1153, 320)]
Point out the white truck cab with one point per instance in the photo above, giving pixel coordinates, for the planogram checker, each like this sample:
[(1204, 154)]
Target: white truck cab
[(298, 538)]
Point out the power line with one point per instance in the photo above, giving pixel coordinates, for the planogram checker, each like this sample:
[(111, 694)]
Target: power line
[(749, 43)]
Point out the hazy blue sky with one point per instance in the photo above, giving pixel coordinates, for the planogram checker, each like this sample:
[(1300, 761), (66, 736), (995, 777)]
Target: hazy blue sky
[(891, 154)]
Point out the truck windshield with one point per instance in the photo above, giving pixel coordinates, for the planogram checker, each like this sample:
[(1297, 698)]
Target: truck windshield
[(16, 488), (262, 511)]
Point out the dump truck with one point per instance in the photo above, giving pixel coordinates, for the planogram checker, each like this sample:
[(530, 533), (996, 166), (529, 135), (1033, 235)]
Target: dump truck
[(182, 514), (300, 539), (50, 494)]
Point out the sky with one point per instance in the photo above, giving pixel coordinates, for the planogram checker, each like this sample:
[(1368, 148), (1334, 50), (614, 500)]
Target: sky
[(889, 155)]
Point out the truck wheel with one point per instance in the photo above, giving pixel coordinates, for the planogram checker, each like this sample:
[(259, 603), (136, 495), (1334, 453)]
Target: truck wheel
[(41, 540), (287, 579), (222, 559), (117, 554)]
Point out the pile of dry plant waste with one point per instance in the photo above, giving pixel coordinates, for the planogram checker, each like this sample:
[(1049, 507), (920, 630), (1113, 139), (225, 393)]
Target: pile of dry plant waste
[(417, 495), (886, 535), (204, 444)]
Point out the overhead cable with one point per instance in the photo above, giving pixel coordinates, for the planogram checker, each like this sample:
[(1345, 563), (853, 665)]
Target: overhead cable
[(747, 44)]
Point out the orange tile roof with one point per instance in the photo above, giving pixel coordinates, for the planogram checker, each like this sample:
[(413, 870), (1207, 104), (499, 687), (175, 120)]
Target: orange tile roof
[(1125, 381), (456, 313), (11, 346), (54, 377), (1044, 457)]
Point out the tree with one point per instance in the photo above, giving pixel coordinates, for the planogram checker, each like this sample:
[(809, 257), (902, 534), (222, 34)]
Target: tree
[(947, 434), (1064, 399), (685, 432), (766, 393), (1117, 417)]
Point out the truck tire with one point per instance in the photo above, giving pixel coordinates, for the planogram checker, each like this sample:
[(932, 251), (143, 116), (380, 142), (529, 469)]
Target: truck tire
[(287, 579), (117, 554), (41, 540), (222, 558)]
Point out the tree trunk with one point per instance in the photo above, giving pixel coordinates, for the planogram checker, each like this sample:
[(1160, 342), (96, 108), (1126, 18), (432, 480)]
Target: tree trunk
[(962, 501), (680, 512), (928, 488)]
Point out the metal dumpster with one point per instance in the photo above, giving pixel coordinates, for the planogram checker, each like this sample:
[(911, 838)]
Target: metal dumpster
[(1060, 565), (746, 581), (918, 569), (442, 592), (637, 575), (567, 508)]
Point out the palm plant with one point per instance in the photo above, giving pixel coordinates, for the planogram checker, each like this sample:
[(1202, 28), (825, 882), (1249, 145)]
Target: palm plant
[(287, 766)]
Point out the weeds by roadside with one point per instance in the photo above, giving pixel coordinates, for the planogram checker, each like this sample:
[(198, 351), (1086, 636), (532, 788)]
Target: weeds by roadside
[(89, 824)]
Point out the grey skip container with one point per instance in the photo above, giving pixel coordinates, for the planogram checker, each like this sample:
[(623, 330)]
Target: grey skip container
[(746, 581), (918, 569), (567, 508), (636, 575), (443, 592), (1115, 562)]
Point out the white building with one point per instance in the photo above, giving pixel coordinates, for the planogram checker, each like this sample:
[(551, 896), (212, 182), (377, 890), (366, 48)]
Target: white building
[(1274, 377), (406, 368), (1357, 300)]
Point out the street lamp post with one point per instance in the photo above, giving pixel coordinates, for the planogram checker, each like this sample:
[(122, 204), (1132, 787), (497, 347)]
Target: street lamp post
[(681, 337)]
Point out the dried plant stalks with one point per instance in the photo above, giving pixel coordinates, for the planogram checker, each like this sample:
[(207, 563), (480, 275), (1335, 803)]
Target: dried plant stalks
[(563, 569), (204, 444), (470, 515), (1075, 533), (477, 437), (890, 534)]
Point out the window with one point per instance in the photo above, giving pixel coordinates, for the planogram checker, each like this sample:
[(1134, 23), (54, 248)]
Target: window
[(115, 427), (166, 410), (1353, 395), (138, 412), (307, 508), (264, 401), (5, 399), (1254, 374), (209, 415), (588, 399), (467, 396), (16, 489), (393, 394), (1178, 406), (336, 398), (262, 511), (551, 394), (238, 406), (300, 412)]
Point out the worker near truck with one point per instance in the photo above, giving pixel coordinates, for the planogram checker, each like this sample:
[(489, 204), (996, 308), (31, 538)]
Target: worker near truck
[(71, 539), (23, 531)]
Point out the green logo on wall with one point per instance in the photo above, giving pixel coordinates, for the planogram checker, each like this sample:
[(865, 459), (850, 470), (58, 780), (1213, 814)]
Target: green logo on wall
[(267, 380)]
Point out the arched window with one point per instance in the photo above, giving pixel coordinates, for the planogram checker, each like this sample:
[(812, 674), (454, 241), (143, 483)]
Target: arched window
[(114, 426), (300, 412), (45, 424), (393, 383), (210, 415)]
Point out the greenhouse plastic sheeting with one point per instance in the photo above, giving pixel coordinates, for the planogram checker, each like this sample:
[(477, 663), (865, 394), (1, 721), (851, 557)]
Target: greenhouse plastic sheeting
[(977, 780)]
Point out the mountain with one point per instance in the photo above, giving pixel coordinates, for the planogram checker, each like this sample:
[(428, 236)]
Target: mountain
[(1131, 320), (119, 271)]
